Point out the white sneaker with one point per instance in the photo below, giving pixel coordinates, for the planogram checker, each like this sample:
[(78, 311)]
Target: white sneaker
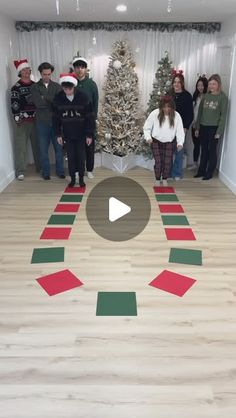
[(193, 167), (177, 178), (90, 175), (157, 183), (165, 182), (21, 177)]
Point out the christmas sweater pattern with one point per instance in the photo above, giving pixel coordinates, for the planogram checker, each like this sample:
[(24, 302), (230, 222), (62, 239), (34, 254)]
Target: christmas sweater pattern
[(22, 106)]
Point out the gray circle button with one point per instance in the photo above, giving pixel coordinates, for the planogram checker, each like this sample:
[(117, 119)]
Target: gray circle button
[(118, 209)]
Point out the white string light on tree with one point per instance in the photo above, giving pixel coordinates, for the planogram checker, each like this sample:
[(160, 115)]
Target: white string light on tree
[(58, 7), (169, 6), (94, 40), (77, 6)]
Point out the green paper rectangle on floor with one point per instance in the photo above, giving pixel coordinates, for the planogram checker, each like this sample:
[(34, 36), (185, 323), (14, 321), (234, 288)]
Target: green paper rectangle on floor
[(48, 255), (71, 198), (116, 304), (61, 220), (166, 197), (185, 256), (174, 220)]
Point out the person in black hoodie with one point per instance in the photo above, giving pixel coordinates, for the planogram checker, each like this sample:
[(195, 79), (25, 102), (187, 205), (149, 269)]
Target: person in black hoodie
[(74, 122), (184, 106)]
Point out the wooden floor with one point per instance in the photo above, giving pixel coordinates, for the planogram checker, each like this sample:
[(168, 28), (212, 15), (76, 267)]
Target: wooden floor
[(176, 359)]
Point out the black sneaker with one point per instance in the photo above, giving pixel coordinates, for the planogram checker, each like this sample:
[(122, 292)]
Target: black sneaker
[(62, 176), (72, 183), (81, 182), (197, 175), (47, 177)]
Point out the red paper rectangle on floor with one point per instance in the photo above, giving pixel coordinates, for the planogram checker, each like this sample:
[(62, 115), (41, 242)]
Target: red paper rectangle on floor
[(59, 282), (171, 209), (173, 282), (158, 189), (80, 190), (180, 234), (56, 233), (72, 208)]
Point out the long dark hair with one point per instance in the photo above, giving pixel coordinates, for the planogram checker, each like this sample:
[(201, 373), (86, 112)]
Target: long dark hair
[(204, 81), (181, 79), (167, 100)]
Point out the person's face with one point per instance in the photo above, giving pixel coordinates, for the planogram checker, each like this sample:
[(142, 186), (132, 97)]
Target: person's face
[(25, 73), (46, 76), (80, 71), (69, 91), (200, 87), (177, 85), (213, 86), (167, 109)]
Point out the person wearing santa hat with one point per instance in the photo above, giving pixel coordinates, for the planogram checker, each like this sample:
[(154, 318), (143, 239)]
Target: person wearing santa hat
[(23, 111), (89, 86), (74, 122), (43, 93)]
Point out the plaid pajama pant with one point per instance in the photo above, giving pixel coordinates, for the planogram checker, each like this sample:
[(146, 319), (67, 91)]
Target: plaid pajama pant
[(163, 156)]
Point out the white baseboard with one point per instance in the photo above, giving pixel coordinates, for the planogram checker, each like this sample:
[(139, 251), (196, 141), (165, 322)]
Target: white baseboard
[(227, 182), (7, 180)]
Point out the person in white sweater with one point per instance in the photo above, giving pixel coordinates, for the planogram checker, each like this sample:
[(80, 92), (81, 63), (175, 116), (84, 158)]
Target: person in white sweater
[(162, 126)]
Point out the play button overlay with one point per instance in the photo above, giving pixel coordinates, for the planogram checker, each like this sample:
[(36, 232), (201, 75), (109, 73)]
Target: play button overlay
[(118, 209)]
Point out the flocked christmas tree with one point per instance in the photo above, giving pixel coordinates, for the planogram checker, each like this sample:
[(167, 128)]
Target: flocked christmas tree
[(162, 82), (119, 130)]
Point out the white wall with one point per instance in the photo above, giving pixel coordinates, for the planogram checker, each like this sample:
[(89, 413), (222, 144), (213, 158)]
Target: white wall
[(8, 51), (227, 165)]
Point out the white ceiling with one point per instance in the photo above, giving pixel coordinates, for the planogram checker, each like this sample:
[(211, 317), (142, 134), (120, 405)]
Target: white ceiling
[(104, 10)]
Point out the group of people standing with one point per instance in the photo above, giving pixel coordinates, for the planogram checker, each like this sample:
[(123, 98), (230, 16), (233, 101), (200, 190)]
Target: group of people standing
[(59, 113), (65, 113), (166, 127)]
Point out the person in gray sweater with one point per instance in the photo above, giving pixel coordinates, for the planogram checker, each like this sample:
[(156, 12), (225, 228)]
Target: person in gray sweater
[(43, 94)]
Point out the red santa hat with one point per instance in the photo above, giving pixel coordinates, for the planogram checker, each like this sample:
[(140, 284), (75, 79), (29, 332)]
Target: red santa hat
[(68, 78), (21, 64)]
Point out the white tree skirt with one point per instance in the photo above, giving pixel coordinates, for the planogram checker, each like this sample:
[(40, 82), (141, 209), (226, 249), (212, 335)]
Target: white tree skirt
[(123, 164)]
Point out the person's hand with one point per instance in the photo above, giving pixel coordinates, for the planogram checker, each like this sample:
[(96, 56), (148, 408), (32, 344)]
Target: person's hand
[(149, 141), (217, 136), (196, 133), (179, 147), (60, 140), (89, 141)]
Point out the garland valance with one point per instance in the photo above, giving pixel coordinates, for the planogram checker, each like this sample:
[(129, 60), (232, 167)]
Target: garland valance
[(204, 27)]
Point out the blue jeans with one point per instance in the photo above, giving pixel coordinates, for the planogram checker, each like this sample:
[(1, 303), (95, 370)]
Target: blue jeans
[(46, 135), (177, 169)]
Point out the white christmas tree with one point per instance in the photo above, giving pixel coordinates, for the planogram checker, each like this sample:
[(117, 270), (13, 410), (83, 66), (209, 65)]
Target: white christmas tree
[(162, 82), (119, 128)]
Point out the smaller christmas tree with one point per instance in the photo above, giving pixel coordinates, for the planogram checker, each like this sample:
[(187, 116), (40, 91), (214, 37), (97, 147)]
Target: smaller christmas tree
[(162, 82)]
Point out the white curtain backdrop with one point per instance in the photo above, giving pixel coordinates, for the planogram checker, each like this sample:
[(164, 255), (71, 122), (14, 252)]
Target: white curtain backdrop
[(191, 51)]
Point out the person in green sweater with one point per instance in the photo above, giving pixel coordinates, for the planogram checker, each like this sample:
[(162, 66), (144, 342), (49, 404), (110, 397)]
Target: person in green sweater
[(43, 94), (210, 126), (89, 86)]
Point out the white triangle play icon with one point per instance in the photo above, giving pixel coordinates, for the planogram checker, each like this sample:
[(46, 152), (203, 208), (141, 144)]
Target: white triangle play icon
[(117, 209)]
